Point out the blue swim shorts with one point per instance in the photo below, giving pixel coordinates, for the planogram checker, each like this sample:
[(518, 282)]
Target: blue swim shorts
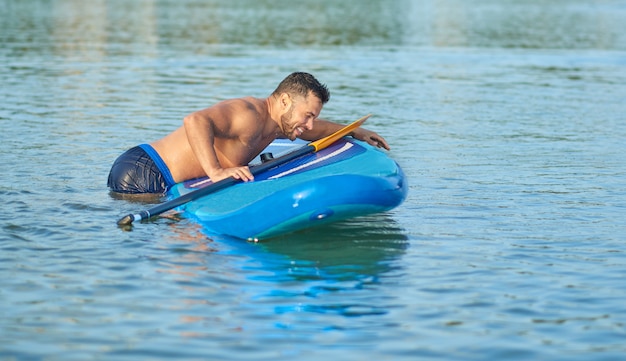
[(140, 170)]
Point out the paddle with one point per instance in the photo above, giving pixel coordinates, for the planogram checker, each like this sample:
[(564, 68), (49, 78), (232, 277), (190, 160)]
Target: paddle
[(225, 183)]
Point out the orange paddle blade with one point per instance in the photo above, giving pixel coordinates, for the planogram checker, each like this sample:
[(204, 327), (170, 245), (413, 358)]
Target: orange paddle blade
[(325, 142)]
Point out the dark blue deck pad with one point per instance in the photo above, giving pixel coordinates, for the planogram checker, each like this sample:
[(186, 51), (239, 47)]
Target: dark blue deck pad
[(340, 150)]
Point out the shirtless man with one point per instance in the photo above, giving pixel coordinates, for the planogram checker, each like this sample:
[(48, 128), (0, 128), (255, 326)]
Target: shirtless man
[(221, 140)]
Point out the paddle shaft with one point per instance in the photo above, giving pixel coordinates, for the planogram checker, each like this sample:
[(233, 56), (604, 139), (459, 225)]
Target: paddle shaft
[(225, 183), (212, 188)]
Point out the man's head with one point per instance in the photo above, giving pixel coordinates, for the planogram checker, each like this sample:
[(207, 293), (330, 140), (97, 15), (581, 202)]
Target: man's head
[(299, 98), (302, 84)]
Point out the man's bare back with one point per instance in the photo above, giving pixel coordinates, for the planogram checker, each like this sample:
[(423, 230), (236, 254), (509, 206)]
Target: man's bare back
[(240, 129)]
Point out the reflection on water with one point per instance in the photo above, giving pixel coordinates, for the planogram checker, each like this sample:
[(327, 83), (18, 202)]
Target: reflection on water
[(363, 245), (343, 259), (303, 268), (101, 28), (345, 256), (271, 285)]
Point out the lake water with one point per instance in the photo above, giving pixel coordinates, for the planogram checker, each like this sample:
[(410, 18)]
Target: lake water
[(508, 118)]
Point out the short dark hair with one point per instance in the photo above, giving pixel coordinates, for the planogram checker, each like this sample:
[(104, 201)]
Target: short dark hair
[(300, 83)]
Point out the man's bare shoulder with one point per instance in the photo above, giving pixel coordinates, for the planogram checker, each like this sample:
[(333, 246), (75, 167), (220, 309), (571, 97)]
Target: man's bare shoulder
[(239, 115), (239, 107), (245, 102)]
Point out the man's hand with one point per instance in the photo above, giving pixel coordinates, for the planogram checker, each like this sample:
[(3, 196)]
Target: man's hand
[(242, 173), (372, 138)]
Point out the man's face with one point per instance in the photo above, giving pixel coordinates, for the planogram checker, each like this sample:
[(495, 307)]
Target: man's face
[(300, 115)]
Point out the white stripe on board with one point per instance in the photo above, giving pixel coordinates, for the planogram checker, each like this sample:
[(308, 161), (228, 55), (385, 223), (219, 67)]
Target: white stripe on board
[(338, 151), (199, 183), (321, 159)]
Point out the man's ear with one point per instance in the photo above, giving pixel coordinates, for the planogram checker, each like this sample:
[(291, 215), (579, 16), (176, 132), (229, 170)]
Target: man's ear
[(285, 101)]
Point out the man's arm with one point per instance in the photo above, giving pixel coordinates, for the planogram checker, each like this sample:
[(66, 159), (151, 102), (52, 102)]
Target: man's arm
[(323, 128), (201, 132)]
